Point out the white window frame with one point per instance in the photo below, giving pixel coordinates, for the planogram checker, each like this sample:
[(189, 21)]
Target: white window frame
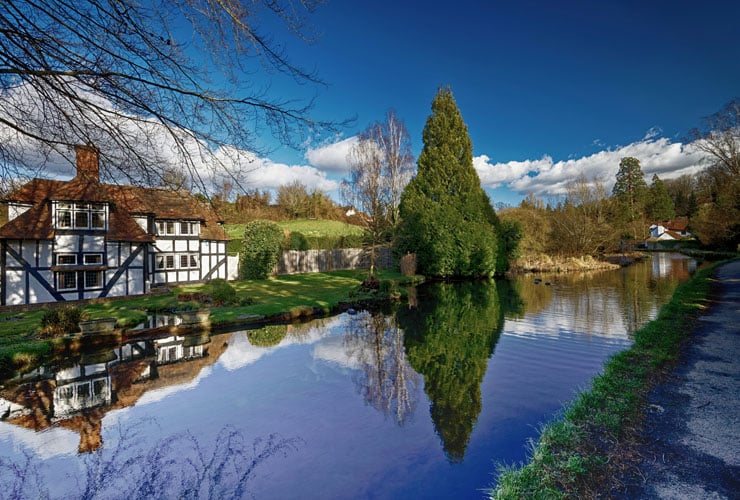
[(66, 255), (59, 280), (69, 215), (86, 259), (161, 261), (98, 279)]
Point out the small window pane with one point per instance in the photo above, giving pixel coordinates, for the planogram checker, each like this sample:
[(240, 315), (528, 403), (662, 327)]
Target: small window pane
[(66, 259), (83, 390), (98, 220), (99, 387), (170, 261), (94, 258), (194, 260), (82, 206), (64, 219), (170, 227), (81, 219), (184, 262), (184, 228), (93, 279), (67, 280), (160, 261), (66, 392)]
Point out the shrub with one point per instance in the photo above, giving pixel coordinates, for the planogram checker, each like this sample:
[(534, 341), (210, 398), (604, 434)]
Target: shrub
[(261, 249), (352, 241), (408, 264), (222, 292), (298, 241), (61, 320)]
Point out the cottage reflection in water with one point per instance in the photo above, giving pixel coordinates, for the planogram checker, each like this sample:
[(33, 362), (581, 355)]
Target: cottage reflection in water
[(78, 395)]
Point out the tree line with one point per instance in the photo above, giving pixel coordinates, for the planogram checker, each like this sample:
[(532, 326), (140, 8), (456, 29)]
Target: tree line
[(591, 220)]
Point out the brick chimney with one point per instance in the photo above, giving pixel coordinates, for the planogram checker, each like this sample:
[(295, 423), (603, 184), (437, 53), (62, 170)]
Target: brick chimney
[(88, 166)]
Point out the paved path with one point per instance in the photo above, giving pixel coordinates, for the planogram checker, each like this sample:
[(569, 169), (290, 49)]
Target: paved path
[(692, 447)]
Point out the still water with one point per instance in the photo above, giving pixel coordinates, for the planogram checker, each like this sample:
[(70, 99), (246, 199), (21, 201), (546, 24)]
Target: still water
[(420, 401)]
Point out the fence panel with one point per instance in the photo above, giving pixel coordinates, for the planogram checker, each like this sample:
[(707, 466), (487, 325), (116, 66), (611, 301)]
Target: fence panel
[(312, 261)]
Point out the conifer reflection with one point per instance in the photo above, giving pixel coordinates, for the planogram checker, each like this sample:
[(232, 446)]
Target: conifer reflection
[(449, 337)]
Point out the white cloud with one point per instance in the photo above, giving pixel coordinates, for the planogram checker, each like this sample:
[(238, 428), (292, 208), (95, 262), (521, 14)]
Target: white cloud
[(270, 175), (331, 157), (547, 178)]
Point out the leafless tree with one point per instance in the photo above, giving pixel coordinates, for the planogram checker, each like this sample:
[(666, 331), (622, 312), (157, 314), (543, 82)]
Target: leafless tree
[(386, 380), (152, 84), (716, 222), (380, 166), (294, 199), (719, 138)]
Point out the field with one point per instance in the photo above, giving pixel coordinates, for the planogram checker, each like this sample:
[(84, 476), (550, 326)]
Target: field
[(319, 233)]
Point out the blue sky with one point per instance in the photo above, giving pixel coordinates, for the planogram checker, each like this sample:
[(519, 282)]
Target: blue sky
[(549, 90)]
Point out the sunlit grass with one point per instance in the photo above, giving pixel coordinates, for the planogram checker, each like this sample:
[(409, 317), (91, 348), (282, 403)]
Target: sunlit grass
[(292, 296)]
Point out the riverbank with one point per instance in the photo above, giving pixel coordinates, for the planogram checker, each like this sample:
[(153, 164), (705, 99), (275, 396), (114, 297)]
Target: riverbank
[(279, 299), (543, 263), (689, 445), (582, 454)]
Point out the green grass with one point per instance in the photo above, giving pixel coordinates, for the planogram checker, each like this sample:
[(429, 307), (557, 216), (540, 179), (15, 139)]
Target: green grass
[(19, 344), (315, 227), (576, 455), (319, 233)]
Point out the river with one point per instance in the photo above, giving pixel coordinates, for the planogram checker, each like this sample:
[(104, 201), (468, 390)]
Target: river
[(421, 400)]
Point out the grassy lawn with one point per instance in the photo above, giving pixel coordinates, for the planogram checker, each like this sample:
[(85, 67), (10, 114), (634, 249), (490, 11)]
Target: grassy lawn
[(319, 233), (577, 455), (294, 295)]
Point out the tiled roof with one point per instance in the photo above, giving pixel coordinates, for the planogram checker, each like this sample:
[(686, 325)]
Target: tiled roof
[(34, 223), (123, 227), (35, 191), (161, 203), (678, 224)]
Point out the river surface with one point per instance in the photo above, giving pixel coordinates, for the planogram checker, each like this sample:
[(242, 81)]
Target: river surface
[(419, 401)]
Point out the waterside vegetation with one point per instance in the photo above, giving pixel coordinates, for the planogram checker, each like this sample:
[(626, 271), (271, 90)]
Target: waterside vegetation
[(282, 298), (579, 454)]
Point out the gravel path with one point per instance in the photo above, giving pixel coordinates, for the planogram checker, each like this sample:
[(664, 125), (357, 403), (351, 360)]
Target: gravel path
[(692, 431)]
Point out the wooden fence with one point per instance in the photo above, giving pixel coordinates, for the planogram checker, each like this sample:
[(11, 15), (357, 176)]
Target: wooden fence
[(317, 261)]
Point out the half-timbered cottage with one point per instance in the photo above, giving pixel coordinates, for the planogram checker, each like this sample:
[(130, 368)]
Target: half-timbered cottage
[(80, 239)]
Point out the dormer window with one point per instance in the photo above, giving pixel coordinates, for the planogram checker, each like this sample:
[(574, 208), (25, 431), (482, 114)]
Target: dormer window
[(174, 228), (80, 215)]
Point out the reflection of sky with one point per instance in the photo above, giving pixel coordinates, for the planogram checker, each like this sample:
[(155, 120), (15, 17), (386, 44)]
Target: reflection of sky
[(305, 388), (45, 444), (241, 352)]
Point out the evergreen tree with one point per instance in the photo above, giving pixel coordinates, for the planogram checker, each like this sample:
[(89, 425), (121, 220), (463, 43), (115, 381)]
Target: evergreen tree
[(630, 188), (659, 205), (444, 209)]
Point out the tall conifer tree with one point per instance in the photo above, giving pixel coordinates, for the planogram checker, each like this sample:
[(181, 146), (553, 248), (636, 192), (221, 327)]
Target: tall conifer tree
[(443, 209), (630, 187), (659, 205)]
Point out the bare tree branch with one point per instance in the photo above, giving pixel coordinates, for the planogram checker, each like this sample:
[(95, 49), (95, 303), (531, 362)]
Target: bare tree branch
[(152, 84)]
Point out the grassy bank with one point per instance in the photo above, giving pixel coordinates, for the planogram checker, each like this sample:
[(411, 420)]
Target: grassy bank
[(579, 455), (285, 297), (543, 263)]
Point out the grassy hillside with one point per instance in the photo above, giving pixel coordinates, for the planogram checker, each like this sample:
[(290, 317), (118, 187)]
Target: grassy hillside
[(319, 233)]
